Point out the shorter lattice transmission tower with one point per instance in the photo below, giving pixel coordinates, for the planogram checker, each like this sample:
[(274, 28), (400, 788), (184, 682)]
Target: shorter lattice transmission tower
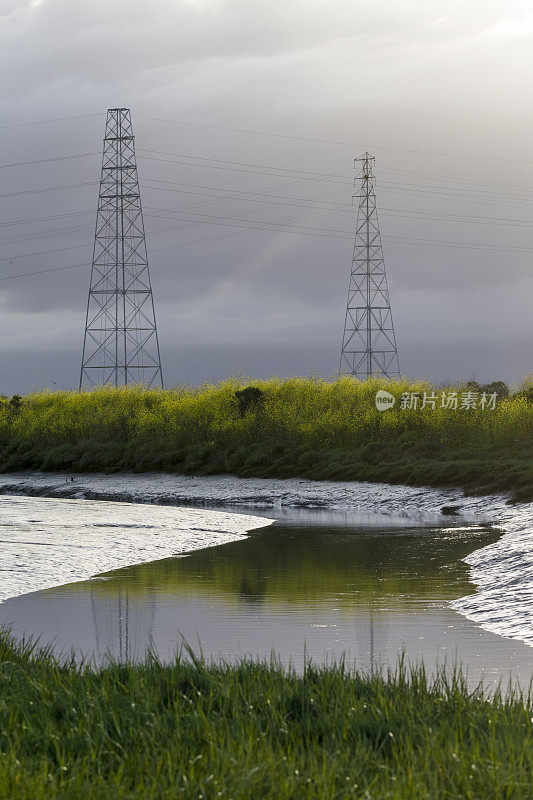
[(120, 345), (369, 344)]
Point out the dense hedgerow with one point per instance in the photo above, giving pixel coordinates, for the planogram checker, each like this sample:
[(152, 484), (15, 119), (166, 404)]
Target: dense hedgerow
[(294, 427), (253, 730)]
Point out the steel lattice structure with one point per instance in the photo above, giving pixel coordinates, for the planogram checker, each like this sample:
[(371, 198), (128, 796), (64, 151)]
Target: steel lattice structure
[(120, 345), (369, 344)]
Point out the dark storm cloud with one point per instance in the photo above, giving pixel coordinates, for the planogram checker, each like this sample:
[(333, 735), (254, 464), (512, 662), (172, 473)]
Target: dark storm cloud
[(444, 77)]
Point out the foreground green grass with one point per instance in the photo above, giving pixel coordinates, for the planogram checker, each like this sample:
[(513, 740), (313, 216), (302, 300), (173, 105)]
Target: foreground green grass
[(253, 731), (302, 427)]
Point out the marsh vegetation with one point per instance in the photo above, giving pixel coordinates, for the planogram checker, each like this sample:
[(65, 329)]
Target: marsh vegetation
[(287, 428)]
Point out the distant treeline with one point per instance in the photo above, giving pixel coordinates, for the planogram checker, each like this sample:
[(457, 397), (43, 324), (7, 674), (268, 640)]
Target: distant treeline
[(473, 436)]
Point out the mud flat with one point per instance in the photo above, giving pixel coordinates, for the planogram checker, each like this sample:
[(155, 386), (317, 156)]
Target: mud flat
[(48, 542)]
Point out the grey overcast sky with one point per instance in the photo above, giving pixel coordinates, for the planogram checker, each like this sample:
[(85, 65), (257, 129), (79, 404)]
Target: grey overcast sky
[(438, 90)]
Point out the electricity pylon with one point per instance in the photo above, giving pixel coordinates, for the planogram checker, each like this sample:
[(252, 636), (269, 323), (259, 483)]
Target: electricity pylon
[(120, 345), (369, 344)]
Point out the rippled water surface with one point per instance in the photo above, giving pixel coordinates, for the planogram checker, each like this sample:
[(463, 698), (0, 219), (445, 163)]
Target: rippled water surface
[(322, 584), (348, 567), (47, 541), (501, 571)]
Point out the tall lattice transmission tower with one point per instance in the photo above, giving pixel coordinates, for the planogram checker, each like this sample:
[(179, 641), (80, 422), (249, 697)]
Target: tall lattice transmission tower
[(369, 344), (120, 345)]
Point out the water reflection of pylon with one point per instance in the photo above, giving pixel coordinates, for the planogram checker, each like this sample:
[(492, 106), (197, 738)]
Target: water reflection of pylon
[(376, 649), (371, 642), (123, 623)]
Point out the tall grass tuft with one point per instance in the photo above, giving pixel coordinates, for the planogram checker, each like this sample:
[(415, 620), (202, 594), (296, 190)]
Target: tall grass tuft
[(253, 730)]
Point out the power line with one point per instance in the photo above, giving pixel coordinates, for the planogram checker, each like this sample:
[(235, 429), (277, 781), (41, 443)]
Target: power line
[(49, 189), (254, 194), (461, 191), (238, 163), (447, 191), (48, 121), (46, 219), (263, 225), (424, 175), (303, 201), (206, 219), (517, 194), (44, 252), (238, 169), (271, 134), (434, 175), (407, 241), (159, 213), (329, 141), (506, 202), (41, 271), (46, 160), (399, 211), (255, 197), (45, 234)]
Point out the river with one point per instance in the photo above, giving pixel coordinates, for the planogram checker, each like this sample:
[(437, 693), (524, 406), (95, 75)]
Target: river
[(329, 570)]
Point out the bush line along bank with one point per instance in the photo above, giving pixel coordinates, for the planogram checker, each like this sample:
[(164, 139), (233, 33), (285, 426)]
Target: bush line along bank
[(298, 427)]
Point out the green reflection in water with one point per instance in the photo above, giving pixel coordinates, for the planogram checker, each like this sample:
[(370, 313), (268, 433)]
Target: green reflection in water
[(298, 565)]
